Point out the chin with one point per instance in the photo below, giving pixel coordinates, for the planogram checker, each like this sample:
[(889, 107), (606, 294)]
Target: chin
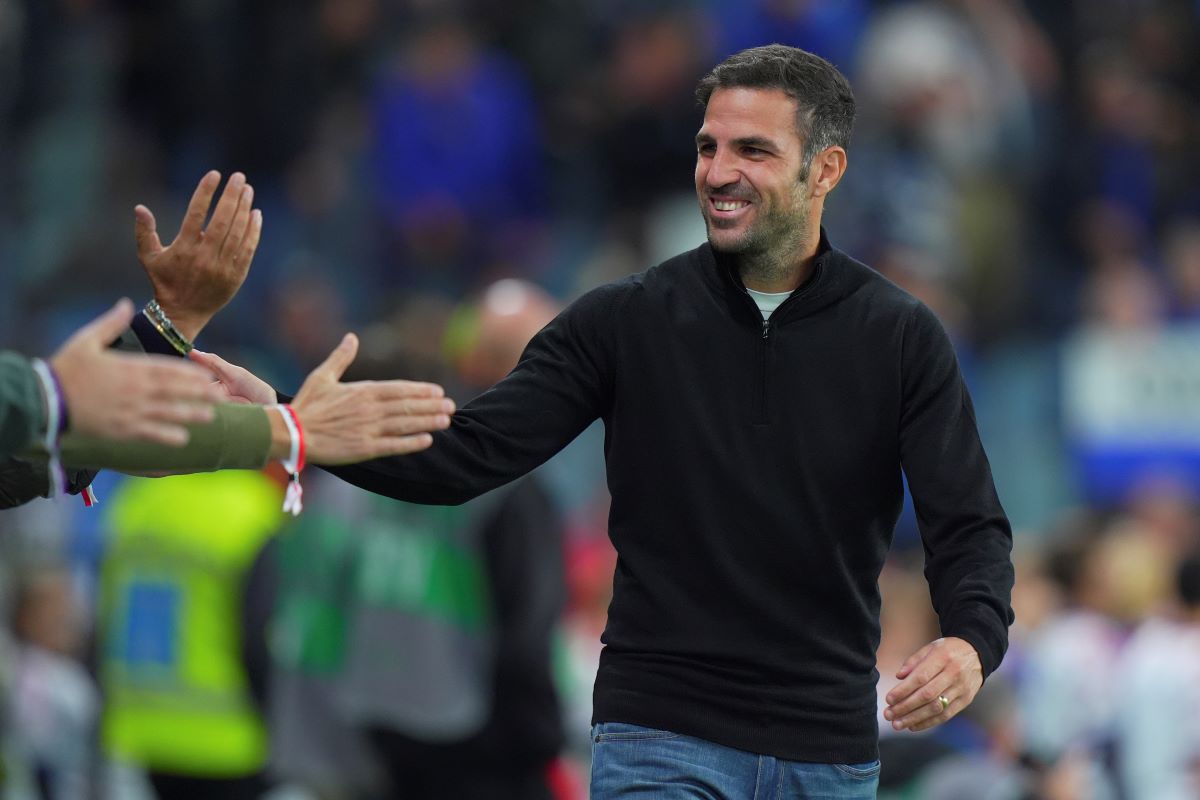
[(726, 244)]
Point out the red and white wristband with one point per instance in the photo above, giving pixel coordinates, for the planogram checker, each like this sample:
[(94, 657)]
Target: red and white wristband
[(293, 501)]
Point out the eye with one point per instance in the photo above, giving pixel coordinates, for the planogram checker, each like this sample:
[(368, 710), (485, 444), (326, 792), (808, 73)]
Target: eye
[(754, 152), (706, 148)]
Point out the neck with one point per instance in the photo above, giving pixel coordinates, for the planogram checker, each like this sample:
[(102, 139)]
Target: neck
[(780, 270)]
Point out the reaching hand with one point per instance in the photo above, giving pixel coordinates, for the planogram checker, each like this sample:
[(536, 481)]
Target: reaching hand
[(203, 268), (236, 384), (348, 422), (936, 682), (125, 396)]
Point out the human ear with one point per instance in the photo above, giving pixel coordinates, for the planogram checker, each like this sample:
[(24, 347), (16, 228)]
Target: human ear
[(828, 167)]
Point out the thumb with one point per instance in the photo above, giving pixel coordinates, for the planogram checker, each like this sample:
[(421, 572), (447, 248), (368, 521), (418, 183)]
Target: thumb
[(145, 232), (210, 361), (105, 329), (342, 356)]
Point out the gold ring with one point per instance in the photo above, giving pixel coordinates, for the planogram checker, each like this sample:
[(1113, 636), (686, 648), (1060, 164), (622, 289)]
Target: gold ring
[(944, 701)]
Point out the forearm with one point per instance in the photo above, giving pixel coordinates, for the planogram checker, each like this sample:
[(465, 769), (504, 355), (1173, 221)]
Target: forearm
[(239, 437), (967, 537)]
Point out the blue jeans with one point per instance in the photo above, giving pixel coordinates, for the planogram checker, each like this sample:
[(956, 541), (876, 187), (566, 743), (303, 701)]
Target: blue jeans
[(629, 761)]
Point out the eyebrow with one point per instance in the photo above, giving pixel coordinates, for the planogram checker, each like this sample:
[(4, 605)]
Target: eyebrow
[(760, 142)]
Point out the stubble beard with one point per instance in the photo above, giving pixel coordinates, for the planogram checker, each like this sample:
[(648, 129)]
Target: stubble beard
[(767, 252)]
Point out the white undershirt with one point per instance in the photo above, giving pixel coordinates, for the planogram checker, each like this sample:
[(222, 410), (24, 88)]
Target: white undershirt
[(768, 301)]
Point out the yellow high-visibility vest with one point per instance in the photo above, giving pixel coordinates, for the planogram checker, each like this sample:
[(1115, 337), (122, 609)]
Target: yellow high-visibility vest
[(177, 696)]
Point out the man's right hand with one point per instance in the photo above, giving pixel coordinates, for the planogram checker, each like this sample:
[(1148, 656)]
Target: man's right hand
[(349, 422), (115, 395), (203, 267)]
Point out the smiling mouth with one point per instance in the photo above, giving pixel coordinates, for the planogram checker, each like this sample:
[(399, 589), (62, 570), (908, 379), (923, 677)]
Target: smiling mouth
[(729, 205)]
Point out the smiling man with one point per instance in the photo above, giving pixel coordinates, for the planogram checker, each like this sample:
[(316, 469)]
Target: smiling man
[(762, 395)]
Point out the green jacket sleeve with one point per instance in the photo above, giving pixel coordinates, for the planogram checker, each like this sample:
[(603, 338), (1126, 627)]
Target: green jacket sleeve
[(239, 437), (23, 479), (22, 410)]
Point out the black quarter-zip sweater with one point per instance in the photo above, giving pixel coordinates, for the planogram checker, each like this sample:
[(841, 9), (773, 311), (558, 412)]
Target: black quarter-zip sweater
[(755, 472)]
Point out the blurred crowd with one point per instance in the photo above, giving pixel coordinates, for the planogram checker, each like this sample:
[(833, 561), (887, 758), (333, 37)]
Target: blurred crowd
[(1030, 170)]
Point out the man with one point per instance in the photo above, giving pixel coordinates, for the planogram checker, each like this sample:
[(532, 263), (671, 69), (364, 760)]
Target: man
[(761, 395)]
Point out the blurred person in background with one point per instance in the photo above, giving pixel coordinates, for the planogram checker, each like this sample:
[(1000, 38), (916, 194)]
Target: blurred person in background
[(428, 631), (1069, 684), (187, 588), (53, 704), (456, 160), (469, 710), (701, 556), (1158, 701)]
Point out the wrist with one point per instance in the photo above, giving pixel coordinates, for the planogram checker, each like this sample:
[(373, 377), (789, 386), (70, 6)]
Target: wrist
[(162, 322), (281, 438), (188, 323), (294, 461)]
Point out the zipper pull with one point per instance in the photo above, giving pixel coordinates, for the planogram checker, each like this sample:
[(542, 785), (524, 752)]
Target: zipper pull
[(766, 327)]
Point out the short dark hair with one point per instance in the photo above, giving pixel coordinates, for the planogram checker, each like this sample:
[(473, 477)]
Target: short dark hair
[(825, 103)]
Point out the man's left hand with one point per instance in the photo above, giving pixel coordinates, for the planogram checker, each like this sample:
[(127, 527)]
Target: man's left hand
[(202, 269), (946, 668)]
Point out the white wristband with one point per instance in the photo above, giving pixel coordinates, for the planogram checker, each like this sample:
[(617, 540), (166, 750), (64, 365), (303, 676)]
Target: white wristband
[(58, 481)]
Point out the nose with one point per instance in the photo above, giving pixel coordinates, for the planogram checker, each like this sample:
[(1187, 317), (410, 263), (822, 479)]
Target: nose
[(722, 169)]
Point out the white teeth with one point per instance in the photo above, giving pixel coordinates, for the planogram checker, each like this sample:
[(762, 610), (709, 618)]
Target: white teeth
[(729, 205)]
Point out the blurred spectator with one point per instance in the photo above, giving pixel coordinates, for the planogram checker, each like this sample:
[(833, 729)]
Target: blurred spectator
[(1158, 706), (428, 633), (1069, 682), (187, 588), (457, 168), (829, 28), (54, 702), (1182, 256)]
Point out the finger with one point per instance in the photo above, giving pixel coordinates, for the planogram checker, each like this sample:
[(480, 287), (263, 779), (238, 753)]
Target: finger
[(342, 356), (167, 380), (913, 660), (145, 232), (219, 367), (921, 674), (926, 695), (249, 241), (197, 210), (401, 445), (101, 331), (420, 407), (409, 423), (175, 412), (397, 389), (237, 229), (222, 218), (160, 433), (938, 716)]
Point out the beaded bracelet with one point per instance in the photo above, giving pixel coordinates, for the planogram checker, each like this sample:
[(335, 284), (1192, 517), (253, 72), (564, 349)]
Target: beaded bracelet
[(162, 323)]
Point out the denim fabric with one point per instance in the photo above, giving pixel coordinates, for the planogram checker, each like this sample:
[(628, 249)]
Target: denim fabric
[(629, 761)]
